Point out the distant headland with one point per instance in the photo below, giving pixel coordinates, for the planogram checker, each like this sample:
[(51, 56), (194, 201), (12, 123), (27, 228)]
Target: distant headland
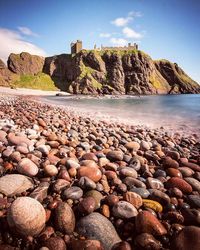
[(104, 70)]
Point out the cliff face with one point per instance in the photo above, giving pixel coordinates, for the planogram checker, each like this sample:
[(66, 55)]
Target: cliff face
[(179, 81), (109, 72), (129, 73), (25, 63), (6, 76)]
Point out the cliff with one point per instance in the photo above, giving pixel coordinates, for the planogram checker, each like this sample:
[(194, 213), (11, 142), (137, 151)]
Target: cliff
[(100, 72)]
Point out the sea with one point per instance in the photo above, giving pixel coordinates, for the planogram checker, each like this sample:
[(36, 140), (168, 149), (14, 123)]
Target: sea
[(178, 113)]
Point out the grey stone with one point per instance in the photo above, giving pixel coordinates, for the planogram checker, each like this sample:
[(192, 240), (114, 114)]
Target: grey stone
[(96, 226)]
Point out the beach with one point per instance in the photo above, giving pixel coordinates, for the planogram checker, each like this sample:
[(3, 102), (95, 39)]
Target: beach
[(76, 181)]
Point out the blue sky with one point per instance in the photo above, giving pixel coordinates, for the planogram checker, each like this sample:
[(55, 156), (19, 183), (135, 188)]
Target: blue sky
[(163, 28)]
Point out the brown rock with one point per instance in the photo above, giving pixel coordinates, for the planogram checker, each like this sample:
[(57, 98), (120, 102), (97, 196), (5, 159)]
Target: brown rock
[(192, 165), (27, 167), (86, 245), (115, 155), (168, 162), (87, 205), (188, 238), (122, 245), (25, 64), (93, 173), (64, 218), (133, 198), (90, 156), (173, 172), (147, 241), (17, 140), (55, 243), (148, 223), (132, 145), (180, 184)]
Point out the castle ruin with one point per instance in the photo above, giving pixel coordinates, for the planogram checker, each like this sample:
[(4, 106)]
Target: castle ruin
[(76, 47), (129, 47)]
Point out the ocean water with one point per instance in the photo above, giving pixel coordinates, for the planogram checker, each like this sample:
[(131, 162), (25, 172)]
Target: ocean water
[(177, 112)]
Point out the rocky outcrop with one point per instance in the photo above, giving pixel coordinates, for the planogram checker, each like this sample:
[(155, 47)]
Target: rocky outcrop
[(103, 72), (6, 76), (127, 73), (179, 81), (25, 64)]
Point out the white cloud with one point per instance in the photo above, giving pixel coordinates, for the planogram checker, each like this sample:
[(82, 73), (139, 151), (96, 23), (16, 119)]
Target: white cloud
[(130, 33), (26, 31), (13, 42), (105, 35), (122, 21), (118, 41)]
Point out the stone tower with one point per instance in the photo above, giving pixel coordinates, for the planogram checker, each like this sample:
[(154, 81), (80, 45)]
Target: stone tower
[(76, 47)]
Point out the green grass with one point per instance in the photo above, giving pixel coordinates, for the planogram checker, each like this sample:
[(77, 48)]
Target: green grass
[(87, 71), (40, 81)]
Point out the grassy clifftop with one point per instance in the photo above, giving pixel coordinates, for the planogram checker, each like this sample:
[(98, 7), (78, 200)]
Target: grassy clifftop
[(40, 81)]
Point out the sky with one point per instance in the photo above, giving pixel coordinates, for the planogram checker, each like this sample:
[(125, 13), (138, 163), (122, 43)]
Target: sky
[(168, 29)]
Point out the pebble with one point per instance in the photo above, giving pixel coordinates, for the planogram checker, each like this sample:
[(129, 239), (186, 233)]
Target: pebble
[(87, 205), (27, 167), (50, 170), (74, 193), (159, 196), (133, 198), (112, 199), (194, 200), (144, 145), (26, 216), (115, 155), (194, 183), (154, 183), (157, 207), (14, 184), (148, 223), (192, 166), (90, 156), (86, 183), (144, 193), (55, 243), (92, 173), (173, 172), (19, 140), (70, 163), (64, 218), (3, 135), (97, 196), (86, 245), (133, 182), (122, 245), (146, 241), (179, 183), (168, 162), (188, 238), (98, 227), (40, 193), (186, 172), (128, 172), (124, 210), (132, 145)]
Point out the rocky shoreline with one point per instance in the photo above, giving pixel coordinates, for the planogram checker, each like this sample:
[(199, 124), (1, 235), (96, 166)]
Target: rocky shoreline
[(70, 182)]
